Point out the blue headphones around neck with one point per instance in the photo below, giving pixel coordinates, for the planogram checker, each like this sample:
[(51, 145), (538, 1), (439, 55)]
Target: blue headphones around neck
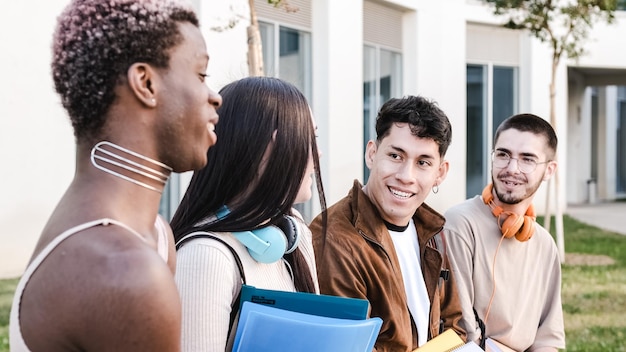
[(268, 244)]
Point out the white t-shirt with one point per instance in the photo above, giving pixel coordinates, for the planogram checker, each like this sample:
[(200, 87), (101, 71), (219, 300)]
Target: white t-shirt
[(408, 251)]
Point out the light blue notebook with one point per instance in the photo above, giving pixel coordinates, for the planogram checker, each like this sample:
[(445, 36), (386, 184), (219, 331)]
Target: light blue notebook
[(309, 303), (264, 328)]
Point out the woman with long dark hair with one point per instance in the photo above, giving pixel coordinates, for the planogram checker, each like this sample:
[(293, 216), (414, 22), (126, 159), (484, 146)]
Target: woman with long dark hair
[(239, 208)]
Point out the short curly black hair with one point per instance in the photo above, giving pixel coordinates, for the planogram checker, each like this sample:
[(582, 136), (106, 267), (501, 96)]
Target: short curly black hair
[(425, 119), (96, 41)]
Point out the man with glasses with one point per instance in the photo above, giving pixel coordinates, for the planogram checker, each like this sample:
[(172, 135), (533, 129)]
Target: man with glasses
[(506, 265)]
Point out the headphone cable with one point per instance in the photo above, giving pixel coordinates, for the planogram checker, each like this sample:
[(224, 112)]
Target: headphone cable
[(493, 277)]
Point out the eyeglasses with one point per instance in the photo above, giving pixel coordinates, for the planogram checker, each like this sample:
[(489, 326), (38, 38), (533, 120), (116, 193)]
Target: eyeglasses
[(525, 164)]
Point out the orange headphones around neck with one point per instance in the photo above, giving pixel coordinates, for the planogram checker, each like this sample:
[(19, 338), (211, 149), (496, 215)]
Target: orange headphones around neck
[(522, 227)]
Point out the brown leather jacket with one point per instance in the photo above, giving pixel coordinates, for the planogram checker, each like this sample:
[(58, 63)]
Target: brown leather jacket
[(357, 259)]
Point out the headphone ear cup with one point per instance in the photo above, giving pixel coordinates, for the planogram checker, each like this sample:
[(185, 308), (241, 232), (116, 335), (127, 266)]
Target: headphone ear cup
[(289, 226), (522, 227), (265, 245), (511, 225), (527, 230)]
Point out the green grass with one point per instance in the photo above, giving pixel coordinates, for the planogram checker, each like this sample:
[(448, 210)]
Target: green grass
[(7, 287), (594, 297)]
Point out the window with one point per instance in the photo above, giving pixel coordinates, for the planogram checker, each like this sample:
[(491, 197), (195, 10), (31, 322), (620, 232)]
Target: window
[(595, 118), (382, 75), (171, 197), (491, 98), (287, 55), (621, 140)]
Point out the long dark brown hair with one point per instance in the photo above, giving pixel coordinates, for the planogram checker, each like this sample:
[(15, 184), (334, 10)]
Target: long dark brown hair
[(253, 108)]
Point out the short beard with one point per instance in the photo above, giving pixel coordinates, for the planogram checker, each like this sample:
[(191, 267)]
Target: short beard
[(507, 198)]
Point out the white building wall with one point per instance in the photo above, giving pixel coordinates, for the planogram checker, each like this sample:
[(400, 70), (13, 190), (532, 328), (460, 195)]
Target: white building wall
[(584, 163), (578, 129), (338, 92), (440, 75), (227, 48), (604, 49), (36, 141), (539, 73), (606, 45)]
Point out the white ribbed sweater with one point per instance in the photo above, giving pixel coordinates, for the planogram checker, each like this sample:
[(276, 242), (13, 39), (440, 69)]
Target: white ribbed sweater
[(208, 281)]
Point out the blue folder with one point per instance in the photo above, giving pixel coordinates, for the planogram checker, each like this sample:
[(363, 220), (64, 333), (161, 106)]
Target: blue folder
[(264, 328), (309, 303)]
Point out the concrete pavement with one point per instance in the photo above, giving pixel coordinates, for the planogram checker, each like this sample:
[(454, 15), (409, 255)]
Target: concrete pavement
[(609, 216)]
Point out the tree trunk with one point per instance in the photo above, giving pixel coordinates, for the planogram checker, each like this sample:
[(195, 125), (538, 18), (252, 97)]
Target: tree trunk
[(558, 216), (255, 49), (558, 221)]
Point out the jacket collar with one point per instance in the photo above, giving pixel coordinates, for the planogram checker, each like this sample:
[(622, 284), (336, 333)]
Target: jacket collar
[(367, 218)]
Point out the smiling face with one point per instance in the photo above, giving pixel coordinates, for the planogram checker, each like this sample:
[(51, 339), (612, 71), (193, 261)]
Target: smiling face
[(511, 186), (187, 106), (403, 170)]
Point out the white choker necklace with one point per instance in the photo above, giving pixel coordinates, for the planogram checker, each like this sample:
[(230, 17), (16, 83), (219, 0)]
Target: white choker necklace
[(100, 157)]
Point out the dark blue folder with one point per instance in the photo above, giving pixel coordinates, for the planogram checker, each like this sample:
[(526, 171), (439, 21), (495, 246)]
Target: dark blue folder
[(308, 303)]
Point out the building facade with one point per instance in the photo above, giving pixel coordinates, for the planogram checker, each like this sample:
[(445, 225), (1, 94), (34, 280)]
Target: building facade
[(348, 57)]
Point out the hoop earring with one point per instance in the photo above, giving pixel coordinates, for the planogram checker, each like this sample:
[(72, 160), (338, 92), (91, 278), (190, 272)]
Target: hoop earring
[(435, 189)]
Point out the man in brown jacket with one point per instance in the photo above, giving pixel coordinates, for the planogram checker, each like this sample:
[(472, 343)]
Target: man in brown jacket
[(381, 243)]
